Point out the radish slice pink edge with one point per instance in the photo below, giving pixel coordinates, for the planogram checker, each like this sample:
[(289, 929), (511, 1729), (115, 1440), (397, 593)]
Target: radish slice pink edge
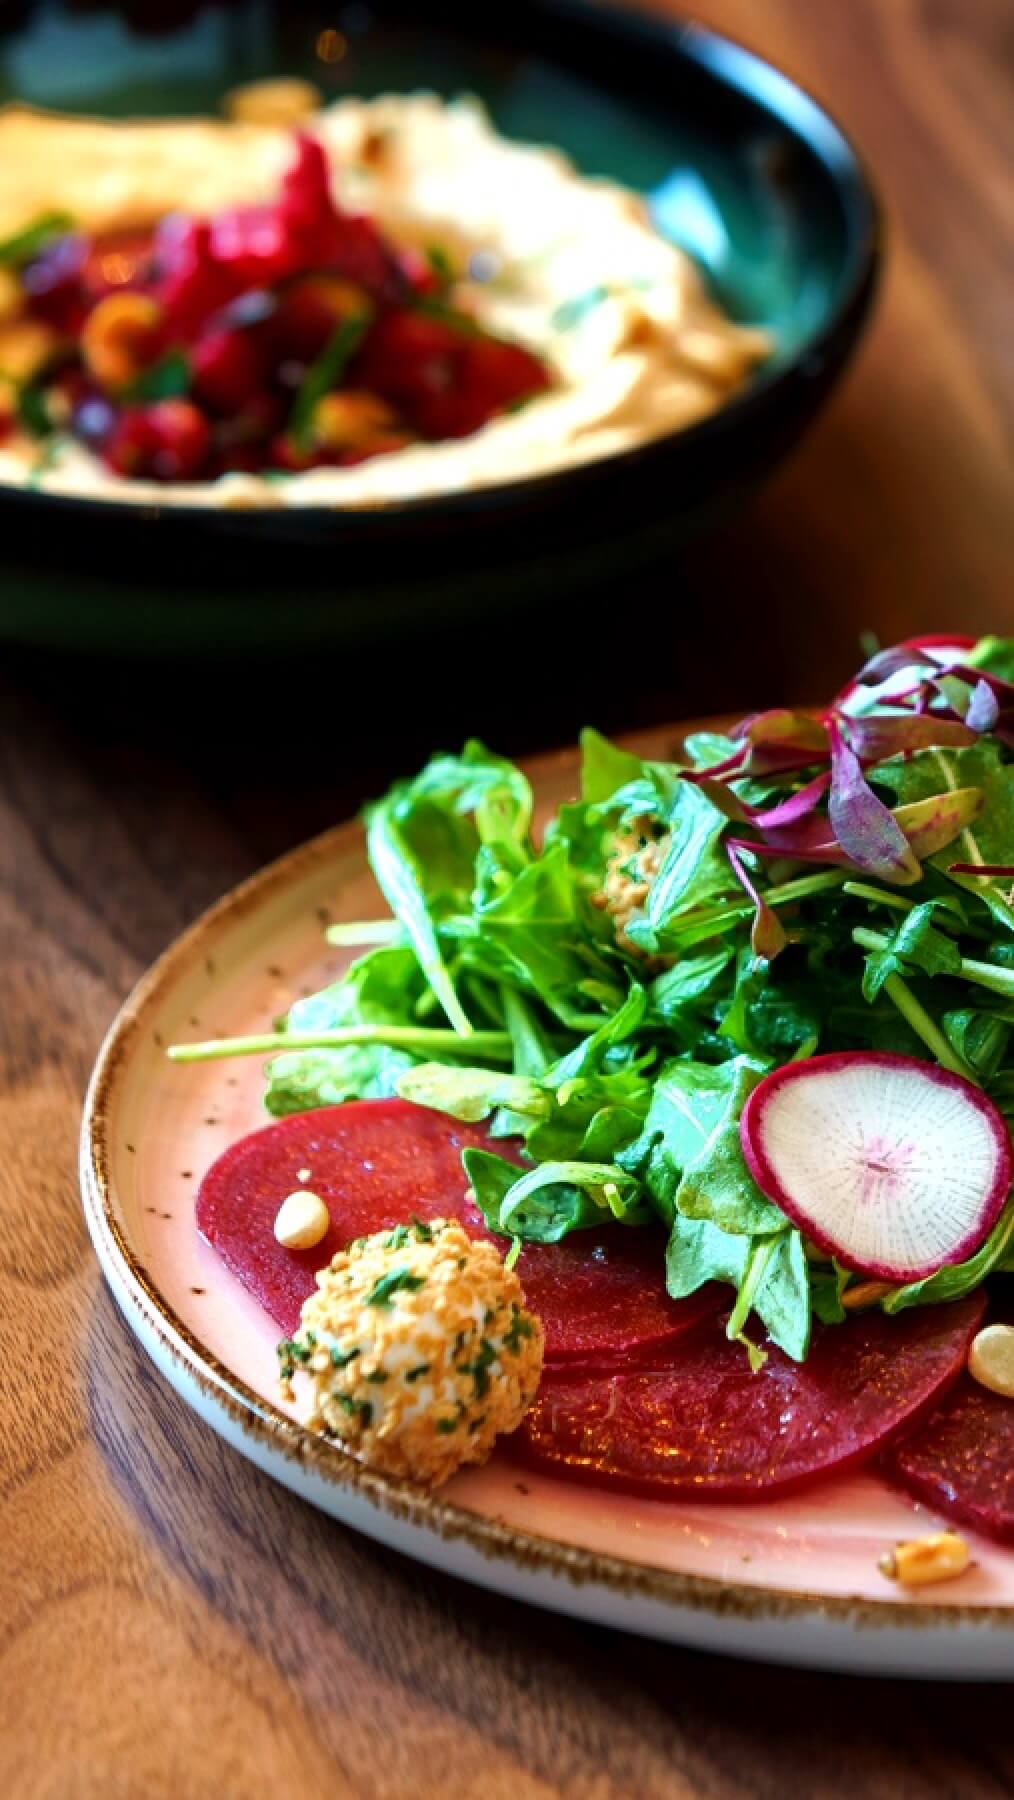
[(705, 1428), (892, 1165)]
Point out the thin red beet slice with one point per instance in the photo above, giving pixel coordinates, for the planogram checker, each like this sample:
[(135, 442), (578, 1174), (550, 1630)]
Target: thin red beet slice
[(374, 1163), (960, 1459), (705, 1428)]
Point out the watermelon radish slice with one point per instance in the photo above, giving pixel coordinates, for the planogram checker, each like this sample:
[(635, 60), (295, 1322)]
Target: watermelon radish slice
[(601, 1294), (704, 1428), (894, 1166), (960, 1459)]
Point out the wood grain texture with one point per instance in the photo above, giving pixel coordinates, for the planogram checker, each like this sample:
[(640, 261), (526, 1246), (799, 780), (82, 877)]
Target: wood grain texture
[(170, 1622)]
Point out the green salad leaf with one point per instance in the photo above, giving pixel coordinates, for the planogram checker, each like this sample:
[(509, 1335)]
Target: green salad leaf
[(599, 995)]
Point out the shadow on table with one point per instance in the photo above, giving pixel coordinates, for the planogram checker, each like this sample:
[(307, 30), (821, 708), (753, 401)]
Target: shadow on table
[(333, 1613)]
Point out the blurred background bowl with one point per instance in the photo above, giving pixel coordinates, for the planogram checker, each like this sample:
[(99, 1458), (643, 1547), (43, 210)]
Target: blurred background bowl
[(742, 169)]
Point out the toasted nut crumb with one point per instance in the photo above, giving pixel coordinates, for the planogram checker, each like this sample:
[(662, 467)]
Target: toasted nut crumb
[(302, 1220), (26, 346), (919, 1561), (865, 1293), (350, 421), (280, 100), (11, 296), (117, 337), (991, 1359)]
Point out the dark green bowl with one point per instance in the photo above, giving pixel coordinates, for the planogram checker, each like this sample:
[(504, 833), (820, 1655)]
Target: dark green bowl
[(743, 169)]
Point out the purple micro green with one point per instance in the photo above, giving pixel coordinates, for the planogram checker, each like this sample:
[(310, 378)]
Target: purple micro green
[(797, 806), (767, 937), (864, 827), (875, 737)]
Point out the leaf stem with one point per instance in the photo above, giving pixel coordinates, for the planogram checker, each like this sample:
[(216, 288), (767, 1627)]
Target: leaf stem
[(755, 1272), (718, 918), (494, 1044), (987, 975), (926, 1028), (364, 931)]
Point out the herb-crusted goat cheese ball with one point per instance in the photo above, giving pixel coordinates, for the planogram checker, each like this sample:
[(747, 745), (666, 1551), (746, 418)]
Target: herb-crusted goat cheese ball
[(419, 1348)]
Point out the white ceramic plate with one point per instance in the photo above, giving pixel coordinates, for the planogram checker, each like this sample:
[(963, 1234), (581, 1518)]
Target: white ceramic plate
[(793, 1580)]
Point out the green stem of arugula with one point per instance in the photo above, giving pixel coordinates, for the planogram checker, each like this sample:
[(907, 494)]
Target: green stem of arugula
[(364, 931), (496, 1045), (708, 921), (947, 916), (927, 1029), (982, 974), (756, 1269), (881, 896)]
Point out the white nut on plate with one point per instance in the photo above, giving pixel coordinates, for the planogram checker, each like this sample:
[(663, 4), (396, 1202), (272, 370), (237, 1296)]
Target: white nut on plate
[(301, 1221), (991, 1359)]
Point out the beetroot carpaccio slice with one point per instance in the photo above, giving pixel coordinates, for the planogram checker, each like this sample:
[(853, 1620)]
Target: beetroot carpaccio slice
[(600, 1294), (960, 1459), (704, 1427)]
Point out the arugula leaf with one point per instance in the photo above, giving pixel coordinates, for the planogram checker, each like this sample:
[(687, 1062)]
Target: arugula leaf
[(827, 1285), (591, 1119), (471, 1093), (605, 767), (480, 782), (981, 1038), (381, 988), (915, 945), (678, 991), (961, 1278), (699, 1251), (547, 1203), (990, 837), (689, 1156), (532, 935), (404, 875), (694, 868)]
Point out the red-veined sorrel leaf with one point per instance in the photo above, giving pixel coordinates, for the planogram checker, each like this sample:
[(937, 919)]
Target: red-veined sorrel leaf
[(767, 937), (931, 824), (875, 737), (868, 833), (912, 653), (984, 870), (795, 807)]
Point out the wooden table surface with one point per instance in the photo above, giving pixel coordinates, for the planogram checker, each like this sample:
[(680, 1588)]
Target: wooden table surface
[(170, 1622)]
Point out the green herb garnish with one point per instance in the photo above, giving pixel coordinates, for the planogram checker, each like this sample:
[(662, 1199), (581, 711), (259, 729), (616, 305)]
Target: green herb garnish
[(393, 1282), (166, 379), (27, 243), (324, 375)]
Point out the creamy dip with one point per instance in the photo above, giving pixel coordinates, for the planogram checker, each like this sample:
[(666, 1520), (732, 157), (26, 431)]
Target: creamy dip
[(568, 266)]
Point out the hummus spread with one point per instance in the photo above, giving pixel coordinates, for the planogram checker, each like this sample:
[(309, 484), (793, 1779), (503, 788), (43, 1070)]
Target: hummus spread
[(568, 267)]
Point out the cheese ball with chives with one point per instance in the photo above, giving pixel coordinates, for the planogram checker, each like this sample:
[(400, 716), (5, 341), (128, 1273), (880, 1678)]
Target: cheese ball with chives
[(419, 1348)]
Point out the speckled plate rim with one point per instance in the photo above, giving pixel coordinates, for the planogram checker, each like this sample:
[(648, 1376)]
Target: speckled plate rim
[(917, 1639)]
